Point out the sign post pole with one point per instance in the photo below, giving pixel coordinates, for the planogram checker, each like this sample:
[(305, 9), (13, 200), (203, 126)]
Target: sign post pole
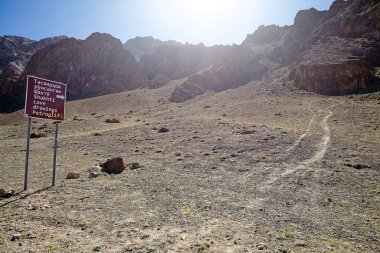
[(55, 151), (27, 155), (45, 99)]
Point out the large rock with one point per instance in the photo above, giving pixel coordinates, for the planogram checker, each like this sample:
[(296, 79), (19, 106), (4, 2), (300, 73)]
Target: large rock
[(336, 78), (95, 66), (6, 192), (115, 165)]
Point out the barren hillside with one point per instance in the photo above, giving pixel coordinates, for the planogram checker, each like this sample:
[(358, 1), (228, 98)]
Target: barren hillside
[(261, 168)]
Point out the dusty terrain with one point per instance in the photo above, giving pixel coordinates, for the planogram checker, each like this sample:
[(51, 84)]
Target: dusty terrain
[(262, 168)]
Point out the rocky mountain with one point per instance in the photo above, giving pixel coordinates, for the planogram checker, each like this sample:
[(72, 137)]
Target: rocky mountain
[(341, 53), (145, 45), (16, 48), (179, 61), (331, 52), (15, 53), (236, 66), (95, 66)]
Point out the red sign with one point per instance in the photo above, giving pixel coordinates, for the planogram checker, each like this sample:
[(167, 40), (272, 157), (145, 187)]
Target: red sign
[(45, 99)]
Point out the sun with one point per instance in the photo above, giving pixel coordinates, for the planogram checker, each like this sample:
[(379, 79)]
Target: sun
[(206, 9), (205, 12)]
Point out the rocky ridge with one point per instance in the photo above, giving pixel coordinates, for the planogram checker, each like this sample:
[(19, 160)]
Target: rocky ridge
[(145, 45), (95, 66), (15, 53), (331, 52)]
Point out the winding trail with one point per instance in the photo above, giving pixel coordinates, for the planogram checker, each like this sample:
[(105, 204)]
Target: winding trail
[(318, 123), (324, 143)]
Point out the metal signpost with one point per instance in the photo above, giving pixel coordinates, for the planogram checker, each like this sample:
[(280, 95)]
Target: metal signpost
[(44, 99)]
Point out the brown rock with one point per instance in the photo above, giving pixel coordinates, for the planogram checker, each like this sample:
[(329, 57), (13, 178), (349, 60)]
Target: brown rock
[(37, 135), (72, 175), (333, 78), (97, 65), (115, 165), (6, 192), (15, 52)]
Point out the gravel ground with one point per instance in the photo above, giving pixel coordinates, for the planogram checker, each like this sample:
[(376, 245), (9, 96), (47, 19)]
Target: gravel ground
[(262, 168)]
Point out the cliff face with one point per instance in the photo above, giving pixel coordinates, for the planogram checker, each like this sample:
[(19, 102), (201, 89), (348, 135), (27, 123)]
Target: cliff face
[(340, 56), (15, 53), (95, 66), (16, 48), (145, 45), (331, 52), (237, 66), (179, 61)]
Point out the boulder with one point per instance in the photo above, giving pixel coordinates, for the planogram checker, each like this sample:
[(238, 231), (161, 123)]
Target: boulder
[(163, 130), (6, 192), (135, 166), (72, 175), (333, 78), (115, 165), (94, 171)]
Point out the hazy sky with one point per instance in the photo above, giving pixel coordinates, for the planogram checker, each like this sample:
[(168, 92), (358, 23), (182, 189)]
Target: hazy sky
[(194, 21)]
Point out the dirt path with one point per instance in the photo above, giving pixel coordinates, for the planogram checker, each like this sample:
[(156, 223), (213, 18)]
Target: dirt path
[(293, 159)]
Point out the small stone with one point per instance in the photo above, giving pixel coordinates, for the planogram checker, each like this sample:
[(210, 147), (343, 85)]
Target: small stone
[(144, 237), (97, 248), (93, 174), (261, 246), (163, 130), (300, 243), (16, 236), (360, 166), (134, 166), (6, 192), (31, 207), (185, 222), (96, 169), (284, 250), (247, 132), (37, 135), (72, 175)]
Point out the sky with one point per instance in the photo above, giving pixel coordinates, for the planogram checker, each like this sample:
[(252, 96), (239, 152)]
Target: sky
[(211, 22)]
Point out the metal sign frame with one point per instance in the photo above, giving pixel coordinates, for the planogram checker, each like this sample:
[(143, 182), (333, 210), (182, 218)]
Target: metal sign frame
[(57, 121)]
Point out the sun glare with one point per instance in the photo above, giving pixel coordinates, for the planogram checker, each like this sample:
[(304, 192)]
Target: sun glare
[(207, 11), (205, 19)]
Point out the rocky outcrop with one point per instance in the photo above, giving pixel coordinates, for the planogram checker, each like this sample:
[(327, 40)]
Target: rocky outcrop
[(15, 52), (95, 66), (16, 48), (342, 50), (178, 61), (237, 67), (335, 78), (302, 30), (351, 18), (145, 45)]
